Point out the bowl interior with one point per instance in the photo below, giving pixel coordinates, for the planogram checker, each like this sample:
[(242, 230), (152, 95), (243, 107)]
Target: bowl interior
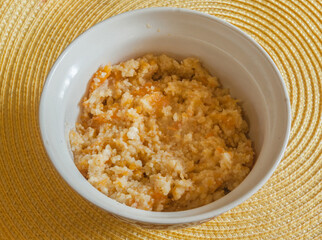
[(241, 65)]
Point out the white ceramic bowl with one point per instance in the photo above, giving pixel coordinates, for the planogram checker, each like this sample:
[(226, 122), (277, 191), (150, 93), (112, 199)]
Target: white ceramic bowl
[(240, 63)]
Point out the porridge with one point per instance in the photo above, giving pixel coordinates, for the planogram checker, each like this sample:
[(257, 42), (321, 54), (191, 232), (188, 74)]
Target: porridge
[(162, 135)]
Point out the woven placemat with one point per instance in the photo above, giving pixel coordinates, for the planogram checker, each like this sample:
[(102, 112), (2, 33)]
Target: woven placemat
[(35, 203)]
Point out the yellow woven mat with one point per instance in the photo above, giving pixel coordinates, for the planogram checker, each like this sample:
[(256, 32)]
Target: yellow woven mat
[(35, 203)]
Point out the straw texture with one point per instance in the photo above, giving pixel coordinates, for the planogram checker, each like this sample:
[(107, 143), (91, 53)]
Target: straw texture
[(35, 203)]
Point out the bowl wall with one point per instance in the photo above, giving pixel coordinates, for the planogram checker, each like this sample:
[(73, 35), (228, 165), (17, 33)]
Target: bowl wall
[(240, 63)]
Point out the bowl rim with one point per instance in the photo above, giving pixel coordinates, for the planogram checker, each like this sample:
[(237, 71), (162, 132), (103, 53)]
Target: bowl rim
[(154, 217)]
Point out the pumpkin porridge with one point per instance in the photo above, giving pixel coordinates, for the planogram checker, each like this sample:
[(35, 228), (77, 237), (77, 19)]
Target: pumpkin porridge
[(161, 135)]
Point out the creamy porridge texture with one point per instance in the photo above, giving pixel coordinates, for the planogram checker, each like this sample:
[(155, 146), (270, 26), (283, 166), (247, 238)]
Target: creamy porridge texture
[(162, 135)]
